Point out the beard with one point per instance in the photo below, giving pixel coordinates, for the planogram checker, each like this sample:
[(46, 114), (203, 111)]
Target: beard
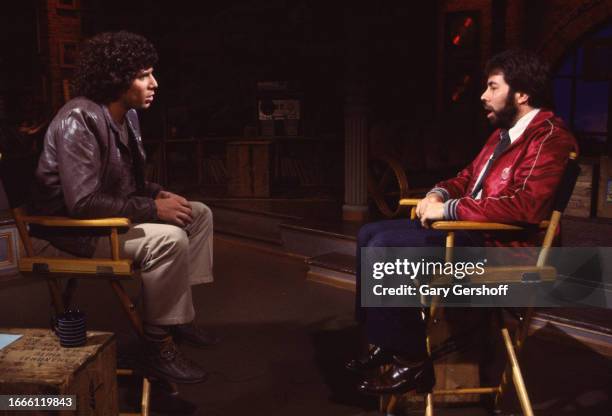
[(505, 117)]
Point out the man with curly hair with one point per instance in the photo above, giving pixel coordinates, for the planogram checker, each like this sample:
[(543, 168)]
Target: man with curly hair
[(92, 165)]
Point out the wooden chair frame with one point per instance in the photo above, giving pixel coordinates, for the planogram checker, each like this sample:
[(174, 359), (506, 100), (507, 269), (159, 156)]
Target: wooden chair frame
[(512, 343), (54, 268)]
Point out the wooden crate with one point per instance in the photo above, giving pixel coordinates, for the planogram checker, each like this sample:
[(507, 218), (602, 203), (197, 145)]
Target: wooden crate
[(36, 364), (579, 204), (248, 168)]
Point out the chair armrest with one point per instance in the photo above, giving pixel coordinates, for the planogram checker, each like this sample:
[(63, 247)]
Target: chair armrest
[(466, 225), (473, 225), (503, 274), (409, 202), (71, 222), (482, 226)]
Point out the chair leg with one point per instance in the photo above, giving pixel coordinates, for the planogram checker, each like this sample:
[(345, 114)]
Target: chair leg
[(56, 295), (128, 306), (382, 404), (145, 396), (514, 369), (68, 294), (384, 401), (391, 405), (429, 407), (146, 391), (523, 329), (520, 335)]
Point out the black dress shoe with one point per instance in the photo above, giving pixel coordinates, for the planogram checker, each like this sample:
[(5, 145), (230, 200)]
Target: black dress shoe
[(162, 360), (194, 335), (375, 359), (402, 378)]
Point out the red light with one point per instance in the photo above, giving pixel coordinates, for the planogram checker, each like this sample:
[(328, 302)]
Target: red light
[(456, 40), (468, 22)]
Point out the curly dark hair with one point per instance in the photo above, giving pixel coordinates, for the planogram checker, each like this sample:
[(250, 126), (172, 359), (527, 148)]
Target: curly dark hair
[(524, 72), (109, 62)]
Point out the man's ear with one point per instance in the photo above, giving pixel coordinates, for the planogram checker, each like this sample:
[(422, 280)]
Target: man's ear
[(521, 98)]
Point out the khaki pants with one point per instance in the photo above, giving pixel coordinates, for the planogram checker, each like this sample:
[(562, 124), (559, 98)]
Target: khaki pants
[(171, 259)]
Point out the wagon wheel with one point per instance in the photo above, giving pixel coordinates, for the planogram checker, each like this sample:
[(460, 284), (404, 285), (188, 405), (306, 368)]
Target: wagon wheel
[(387, 184)]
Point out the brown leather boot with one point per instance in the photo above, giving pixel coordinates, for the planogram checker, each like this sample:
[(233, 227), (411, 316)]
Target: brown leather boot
[(161, 359)]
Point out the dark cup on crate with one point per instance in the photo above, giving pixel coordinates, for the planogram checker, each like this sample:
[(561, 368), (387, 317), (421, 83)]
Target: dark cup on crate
[(71, 329)]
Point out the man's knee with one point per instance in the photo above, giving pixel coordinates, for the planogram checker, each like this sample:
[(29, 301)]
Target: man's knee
[(202, 215), (366, 232), (174, 239)]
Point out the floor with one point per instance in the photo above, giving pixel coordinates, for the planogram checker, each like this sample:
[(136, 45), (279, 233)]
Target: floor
[(284, 342)]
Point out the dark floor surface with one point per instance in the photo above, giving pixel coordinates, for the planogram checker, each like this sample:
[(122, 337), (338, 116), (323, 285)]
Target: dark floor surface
[(284, 342)]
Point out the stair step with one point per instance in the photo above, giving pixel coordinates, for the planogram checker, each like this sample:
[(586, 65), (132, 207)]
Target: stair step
[(253, 225), (340, 229), (334, 261), (333, 269), (311, 239)]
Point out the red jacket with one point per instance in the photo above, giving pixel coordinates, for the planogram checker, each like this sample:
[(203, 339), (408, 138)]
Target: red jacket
[(521, 182)]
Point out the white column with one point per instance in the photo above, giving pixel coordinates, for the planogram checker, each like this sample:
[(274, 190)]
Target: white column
[(355, 206)]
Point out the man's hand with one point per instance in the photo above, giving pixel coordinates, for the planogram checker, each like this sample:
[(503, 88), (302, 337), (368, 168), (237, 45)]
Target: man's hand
[(433, 212), (173, 208), (167, 194), (423, 203)]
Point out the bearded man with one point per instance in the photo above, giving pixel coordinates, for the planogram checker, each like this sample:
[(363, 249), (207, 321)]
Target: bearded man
[(512, 180)]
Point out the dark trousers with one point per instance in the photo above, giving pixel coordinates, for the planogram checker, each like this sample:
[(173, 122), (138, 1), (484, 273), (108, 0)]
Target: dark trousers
[(400, 330)]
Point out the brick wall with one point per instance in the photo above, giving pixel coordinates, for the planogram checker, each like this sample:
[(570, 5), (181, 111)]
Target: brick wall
[(60, 33)]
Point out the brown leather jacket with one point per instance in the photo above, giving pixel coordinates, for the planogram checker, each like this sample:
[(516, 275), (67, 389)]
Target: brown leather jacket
[(85, 170)]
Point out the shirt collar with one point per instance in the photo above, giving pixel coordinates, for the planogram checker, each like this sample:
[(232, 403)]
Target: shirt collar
[(520, 126)]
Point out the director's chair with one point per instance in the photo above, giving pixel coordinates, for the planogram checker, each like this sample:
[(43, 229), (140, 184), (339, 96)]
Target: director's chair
[(17, 172), (502, 274)]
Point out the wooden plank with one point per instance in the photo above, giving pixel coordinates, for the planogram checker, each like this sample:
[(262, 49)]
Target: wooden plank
[(72, 222), (77, 265)]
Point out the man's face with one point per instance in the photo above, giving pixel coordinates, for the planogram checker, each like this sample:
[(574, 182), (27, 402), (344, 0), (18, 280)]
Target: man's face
[(499, 102), (140, 94)]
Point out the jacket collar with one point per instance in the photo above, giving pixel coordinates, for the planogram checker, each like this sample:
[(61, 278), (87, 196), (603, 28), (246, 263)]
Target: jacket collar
[(541, 117), (116, 128), (519, 127)]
